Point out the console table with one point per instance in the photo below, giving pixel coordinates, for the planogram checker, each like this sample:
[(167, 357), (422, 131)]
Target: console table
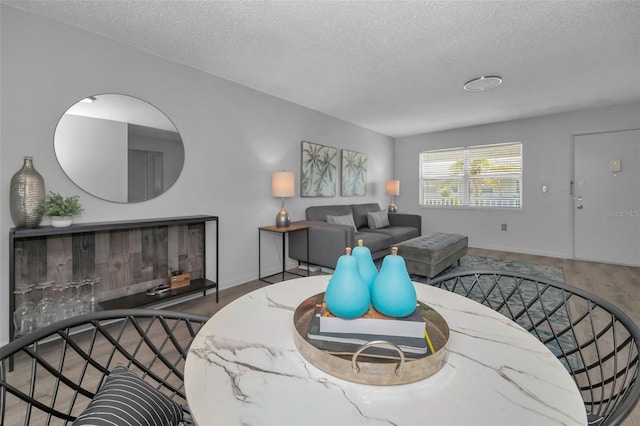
[(129, 256), (243, 368)]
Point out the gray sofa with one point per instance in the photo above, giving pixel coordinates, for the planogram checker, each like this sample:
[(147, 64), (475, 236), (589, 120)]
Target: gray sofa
[(327, 242)]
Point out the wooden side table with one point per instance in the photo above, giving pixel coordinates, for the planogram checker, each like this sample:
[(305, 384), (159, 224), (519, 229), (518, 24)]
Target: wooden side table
[(284, 231)]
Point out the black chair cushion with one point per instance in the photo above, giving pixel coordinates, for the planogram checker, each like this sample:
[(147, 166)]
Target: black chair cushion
[(126, 399)]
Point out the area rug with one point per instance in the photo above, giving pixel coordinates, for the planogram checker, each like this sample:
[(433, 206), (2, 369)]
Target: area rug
[(471, 262), (552, 300), (527, 293), (547, 311)]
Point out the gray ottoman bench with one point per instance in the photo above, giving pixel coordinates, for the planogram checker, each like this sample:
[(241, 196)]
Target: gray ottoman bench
[(430, 254)]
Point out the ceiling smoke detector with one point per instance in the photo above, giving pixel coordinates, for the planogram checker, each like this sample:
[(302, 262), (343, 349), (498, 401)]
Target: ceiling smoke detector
[(485, 82)]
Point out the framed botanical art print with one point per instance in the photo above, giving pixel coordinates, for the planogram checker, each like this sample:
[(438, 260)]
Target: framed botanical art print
[(354, 173), (318, 176)]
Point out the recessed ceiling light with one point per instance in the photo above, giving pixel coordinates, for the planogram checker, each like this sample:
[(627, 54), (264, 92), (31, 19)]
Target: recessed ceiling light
[(483, 83)]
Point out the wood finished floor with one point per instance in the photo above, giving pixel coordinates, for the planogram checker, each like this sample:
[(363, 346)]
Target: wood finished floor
[(619, 285)]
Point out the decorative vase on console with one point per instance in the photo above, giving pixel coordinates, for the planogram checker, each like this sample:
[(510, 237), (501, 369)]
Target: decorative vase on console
[(26, 194), (347, 295), (393, 293)]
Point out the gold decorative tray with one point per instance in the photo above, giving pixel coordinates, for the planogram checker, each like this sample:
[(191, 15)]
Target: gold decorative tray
[(364, 368)]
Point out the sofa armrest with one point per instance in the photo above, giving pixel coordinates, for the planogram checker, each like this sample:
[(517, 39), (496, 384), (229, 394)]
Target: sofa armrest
[(327, 243), (405, 219)]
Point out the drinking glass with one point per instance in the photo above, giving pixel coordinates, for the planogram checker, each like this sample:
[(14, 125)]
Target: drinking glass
[(46, 307), (90, 297), (65, 304), (25, 318), (80, 305)]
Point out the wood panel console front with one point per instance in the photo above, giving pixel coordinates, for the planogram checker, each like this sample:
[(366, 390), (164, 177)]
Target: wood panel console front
[(130, 257)]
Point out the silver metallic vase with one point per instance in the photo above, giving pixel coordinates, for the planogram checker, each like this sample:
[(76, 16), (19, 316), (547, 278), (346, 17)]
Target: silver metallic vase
[(26, 195)]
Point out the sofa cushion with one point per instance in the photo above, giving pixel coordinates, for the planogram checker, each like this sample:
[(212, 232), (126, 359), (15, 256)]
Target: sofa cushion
[(374, 241), (377, 220), (320, 213), (360, 213), (397, 233), (127, 399), (347, 219)]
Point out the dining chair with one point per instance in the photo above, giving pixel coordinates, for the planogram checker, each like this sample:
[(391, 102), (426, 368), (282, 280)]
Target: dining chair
[(595, 341), (58, 370)]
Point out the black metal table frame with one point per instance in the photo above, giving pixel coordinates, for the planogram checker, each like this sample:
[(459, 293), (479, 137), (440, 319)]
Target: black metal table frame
[(284, 232)]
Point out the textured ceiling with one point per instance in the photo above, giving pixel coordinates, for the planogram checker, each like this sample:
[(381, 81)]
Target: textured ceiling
[(396, 67)]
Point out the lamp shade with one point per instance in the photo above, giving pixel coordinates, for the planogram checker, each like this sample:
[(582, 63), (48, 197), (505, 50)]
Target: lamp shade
[(282, 184), (392, 187)]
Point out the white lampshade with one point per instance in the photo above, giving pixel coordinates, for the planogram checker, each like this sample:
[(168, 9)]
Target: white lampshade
[(392, 187), (282, 184)]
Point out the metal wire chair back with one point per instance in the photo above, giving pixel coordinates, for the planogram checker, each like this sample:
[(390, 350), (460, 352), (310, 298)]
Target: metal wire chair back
[(59, 368), (596, 342)]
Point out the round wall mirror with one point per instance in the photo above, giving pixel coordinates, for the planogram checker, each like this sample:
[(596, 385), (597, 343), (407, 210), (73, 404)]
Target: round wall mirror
[(119, 148)]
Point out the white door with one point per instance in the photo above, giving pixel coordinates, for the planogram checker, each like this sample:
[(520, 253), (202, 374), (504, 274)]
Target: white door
[(607, 197)]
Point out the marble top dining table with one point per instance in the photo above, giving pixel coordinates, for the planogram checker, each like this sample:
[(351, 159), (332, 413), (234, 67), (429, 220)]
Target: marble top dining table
[(243, 368)]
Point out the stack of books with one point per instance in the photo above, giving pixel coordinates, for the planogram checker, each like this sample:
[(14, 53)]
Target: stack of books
[(345, 336)]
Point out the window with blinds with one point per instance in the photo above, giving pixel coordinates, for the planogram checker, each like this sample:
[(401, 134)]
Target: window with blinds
[(479, 176)]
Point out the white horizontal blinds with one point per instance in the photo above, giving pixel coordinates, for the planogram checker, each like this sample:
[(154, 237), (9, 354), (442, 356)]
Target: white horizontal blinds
[(495, 175), (483, 176), (443, 178)]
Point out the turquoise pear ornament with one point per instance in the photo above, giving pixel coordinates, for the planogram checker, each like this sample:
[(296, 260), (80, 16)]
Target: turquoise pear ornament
[(367, 268), (393, 293), (347, 294)]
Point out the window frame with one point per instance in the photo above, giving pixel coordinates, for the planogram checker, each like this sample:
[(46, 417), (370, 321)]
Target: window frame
[(464, 198)]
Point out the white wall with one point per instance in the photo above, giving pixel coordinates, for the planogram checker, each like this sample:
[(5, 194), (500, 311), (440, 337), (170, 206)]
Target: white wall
[(234, 139), (544, 225)]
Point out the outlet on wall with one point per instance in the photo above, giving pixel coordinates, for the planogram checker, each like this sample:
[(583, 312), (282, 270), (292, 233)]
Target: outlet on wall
[(504, 227)]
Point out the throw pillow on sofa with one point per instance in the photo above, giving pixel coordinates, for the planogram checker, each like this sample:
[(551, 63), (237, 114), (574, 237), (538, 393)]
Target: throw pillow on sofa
[(342, 220), (127, 399), (378, 219)]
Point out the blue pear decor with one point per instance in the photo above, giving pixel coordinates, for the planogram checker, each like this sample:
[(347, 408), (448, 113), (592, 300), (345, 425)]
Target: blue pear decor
[(367, 268), (393, 293), (347, 294)]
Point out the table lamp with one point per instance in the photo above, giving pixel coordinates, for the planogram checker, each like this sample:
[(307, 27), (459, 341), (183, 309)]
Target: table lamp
[(282, 186), (392, 188)]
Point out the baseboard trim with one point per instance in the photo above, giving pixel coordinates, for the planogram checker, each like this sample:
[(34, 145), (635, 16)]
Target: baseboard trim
[(311, 268)]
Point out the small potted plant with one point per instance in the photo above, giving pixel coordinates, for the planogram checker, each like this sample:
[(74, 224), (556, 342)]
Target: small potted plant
[(60, 209)]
